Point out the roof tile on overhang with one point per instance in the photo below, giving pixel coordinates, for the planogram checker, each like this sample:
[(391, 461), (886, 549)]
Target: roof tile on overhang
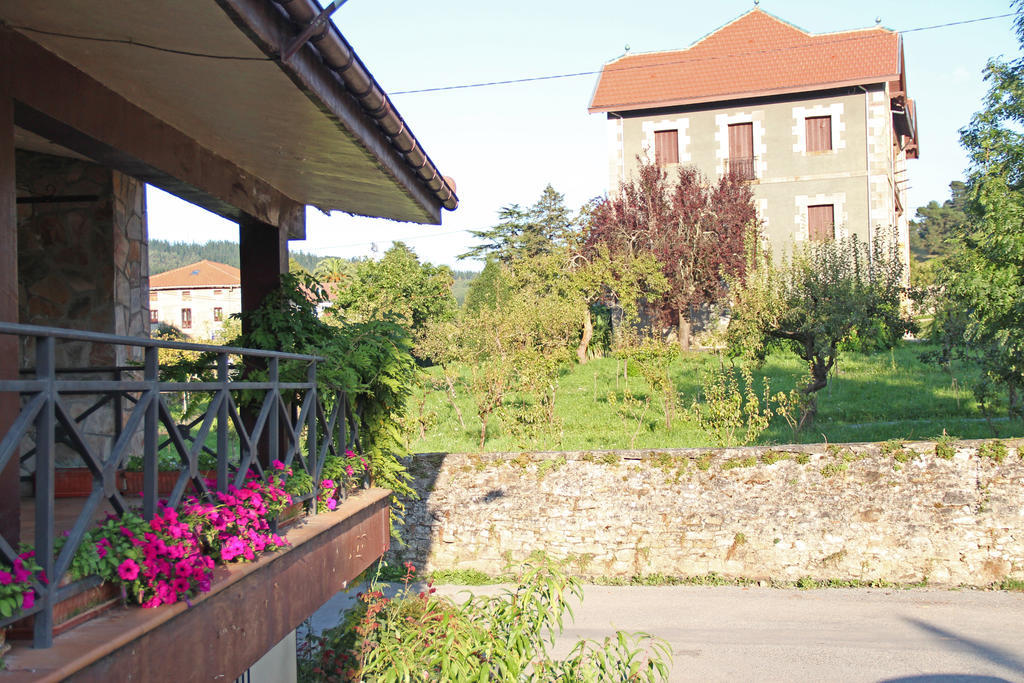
[(202, 274), (756, 54)]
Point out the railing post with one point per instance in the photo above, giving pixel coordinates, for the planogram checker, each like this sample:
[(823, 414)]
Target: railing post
[(222, 423), (312, 450), (45, 429), (150, 466), (274, 424)]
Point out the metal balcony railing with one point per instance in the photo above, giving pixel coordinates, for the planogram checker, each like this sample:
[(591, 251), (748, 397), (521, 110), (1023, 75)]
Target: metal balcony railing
[(280, 420), (741, 168)]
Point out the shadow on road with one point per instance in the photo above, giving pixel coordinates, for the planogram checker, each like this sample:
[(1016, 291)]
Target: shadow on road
[(995, 655)]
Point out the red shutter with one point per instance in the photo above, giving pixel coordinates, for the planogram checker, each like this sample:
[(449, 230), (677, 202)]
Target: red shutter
[(666, 147), (821, 222), (819, 133), (741, 150)]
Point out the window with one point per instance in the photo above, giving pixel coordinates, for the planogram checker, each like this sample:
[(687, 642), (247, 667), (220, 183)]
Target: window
[(154, 315), (821, 224), (218, 314), (741, 151), (666, 147), (186, 295), (186, 318), (152, 296), (819, 133)]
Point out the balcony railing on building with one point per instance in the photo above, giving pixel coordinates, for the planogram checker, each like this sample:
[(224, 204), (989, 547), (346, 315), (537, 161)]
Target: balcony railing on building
[(741, 168), (256, 407)]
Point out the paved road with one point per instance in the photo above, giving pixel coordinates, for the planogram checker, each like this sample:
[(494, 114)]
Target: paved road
[(765, 634)]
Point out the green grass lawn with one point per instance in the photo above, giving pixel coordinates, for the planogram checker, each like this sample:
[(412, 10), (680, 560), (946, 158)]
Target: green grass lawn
[(871, 397)]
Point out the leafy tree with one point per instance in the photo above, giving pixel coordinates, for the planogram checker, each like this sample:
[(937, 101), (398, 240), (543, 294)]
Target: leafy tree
[(694, 228), (622, 279), (397, 286), (333, 270), (816, 299), (935, 224), (984, 279), (513, 336), (526, 232)]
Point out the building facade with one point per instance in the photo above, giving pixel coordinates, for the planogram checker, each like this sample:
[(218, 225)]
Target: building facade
[(820, 125), (196, 298)]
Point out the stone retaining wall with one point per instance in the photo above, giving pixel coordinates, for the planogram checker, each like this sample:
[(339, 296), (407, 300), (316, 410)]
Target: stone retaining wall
[(859, 511)]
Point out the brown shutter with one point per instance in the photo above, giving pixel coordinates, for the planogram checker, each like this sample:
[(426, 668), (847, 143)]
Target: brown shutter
[(666, 147), (821, 222), (819, 133), (741, 150)]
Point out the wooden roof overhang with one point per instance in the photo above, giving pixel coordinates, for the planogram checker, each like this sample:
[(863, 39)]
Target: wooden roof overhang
[(192, 96)]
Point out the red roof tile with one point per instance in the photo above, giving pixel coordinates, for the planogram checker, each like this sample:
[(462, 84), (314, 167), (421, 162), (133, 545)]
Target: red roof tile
[(202, 274), (756, 54)]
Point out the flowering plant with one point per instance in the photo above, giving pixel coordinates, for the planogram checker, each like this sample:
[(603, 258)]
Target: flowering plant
[(236, 528), (348, 471), (16, 592)]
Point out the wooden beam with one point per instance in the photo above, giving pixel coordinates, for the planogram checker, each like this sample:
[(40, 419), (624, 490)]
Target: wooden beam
[(63, 104), (10, 503), (269, 29)]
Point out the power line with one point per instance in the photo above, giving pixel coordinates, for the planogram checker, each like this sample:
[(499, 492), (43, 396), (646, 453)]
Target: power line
[(690, 60)]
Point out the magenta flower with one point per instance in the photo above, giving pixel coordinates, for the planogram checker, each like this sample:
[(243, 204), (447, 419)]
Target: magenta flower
[(128, 570), (331, 504), (348, 470), (5, 578), (28, 599)]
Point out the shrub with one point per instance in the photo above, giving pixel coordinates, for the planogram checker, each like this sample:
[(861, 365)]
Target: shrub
[(504, 637)]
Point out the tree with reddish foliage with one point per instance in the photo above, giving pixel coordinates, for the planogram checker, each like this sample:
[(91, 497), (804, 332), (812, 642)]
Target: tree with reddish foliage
[(695, 228)]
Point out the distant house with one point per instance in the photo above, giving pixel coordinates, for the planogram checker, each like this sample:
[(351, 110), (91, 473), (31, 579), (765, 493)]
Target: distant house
[(820, 124), (197, 298)]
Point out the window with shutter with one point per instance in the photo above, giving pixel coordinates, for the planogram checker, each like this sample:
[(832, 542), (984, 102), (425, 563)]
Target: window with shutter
[(819, 133), (821, 224), (186, 318), (666, 147), (741, 151)]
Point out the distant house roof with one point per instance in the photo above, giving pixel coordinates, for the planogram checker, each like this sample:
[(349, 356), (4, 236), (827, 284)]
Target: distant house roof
[(202, 274), (754, 55)]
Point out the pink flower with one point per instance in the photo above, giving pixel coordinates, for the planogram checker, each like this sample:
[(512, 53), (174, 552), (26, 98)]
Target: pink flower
[(277, 465), (348, 470), (101, 550), (28, 599), (331, 504), (5, 578), (128, 570), (327, 484)]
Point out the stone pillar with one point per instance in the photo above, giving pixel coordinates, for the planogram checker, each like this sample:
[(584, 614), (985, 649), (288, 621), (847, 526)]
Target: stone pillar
[(263, 258), (10, 503), (82, 264)]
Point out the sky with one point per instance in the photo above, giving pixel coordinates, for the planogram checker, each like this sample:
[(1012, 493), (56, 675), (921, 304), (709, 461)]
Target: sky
[(503, 144)]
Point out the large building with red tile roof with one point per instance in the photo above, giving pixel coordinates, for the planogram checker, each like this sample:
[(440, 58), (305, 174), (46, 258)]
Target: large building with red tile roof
[(819, 124), (196, 299)]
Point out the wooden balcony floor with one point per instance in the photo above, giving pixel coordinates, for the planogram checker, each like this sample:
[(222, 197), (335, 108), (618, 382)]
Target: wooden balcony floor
[(65, 514)]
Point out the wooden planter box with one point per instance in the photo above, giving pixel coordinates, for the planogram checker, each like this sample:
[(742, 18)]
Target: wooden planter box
[(131, 482), (290, 515), (69, 613), (72, 482)]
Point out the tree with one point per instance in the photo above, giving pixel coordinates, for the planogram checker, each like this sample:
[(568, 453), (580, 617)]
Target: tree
[(512, 337), (984, 279), (526, 233), (817, 298), (936, 224), (694, 228), (398, 286)]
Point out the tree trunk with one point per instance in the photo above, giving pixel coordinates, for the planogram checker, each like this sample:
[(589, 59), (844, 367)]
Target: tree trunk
[(683, 331), (483, 430), (588, 334)]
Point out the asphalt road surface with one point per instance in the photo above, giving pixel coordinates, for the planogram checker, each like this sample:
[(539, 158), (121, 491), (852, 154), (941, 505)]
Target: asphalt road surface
[(763, 634)]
